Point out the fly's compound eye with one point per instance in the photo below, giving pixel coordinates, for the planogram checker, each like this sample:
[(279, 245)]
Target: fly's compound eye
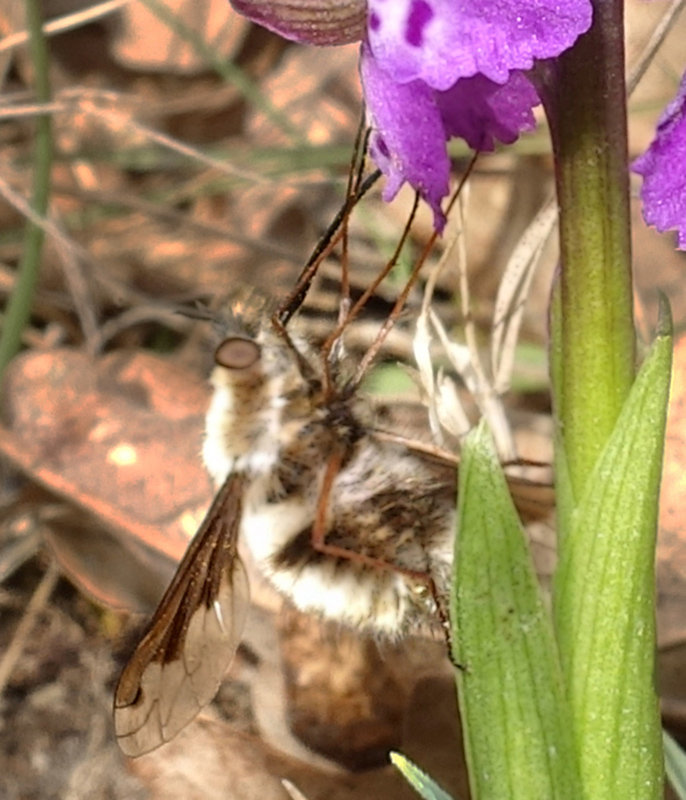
[(237, 353)]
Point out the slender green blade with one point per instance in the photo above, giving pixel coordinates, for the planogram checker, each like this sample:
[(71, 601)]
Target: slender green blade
[(605, 597), (423, 784), (675, 765), (516, 721)]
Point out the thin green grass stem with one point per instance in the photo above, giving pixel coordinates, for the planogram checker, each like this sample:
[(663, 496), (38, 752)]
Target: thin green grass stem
[(19, 305)]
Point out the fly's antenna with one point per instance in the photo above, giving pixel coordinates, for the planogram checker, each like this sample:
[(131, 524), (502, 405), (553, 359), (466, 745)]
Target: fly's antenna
[(399, 304), (357, 188)]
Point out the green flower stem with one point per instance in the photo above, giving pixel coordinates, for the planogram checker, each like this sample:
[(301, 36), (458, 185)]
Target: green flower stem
[(593, 344), (19, 305), (609, 429)]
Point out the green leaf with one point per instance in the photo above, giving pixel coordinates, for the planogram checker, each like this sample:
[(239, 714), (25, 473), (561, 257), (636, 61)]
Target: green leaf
[(422, 783), (18, 310), (675, 765), (515, 716), (605, 597)]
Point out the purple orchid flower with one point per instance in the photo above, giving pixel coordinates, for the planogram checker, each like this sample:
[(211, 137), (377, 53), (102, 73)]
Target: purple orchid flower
[(663, 167), (434, 69)]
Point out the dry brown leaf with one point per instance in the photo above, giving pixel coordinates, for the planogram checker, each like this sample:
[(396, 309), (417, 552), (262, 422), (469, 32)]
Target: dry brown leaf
[(343, 698), (12, 19), (118, 573), (119, 438), (209, 761), (301, 88), (143, 41)]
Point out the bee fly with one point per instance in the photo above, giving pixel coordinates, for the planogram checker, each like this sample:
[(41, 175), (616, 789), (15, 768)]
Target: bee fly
[(347, 523), (277, 442)]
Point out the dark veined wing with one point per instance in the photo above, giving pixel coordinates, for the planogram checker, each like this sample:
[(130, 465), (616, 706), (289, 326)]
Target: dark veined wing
[(531, 483), (178, 665)]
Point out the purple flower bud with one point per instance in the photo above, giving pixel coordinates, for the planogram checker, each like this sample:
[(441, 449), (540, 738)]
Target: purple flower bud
[(663, 167)]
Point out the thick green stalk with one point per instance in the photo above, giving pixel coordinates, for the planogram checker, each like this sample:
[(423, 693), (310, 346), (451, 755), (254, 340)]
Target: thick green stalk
[(593, 346), (609, 430), (19, 305)]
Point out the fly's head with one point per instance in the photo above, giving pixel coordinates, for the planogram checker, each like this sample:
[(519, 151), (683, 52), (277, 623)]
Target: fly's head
[(262, 375)]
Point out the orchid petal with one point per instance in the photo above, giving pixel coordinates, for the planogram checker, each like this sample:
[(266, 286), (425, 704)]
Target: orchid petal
[(440, 41), (663, 167), (481, 111), (408, 138)]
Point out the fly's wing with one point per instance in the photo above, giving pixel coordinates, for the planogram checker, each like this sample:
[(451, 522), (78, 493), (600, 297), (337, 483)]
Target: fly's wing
[(531, 483), (178, 666), (533, 497)]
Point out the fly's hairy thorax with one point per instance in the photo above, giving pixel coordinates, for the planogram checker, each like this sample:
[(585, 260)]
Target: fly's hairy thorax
[(279, 428)]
